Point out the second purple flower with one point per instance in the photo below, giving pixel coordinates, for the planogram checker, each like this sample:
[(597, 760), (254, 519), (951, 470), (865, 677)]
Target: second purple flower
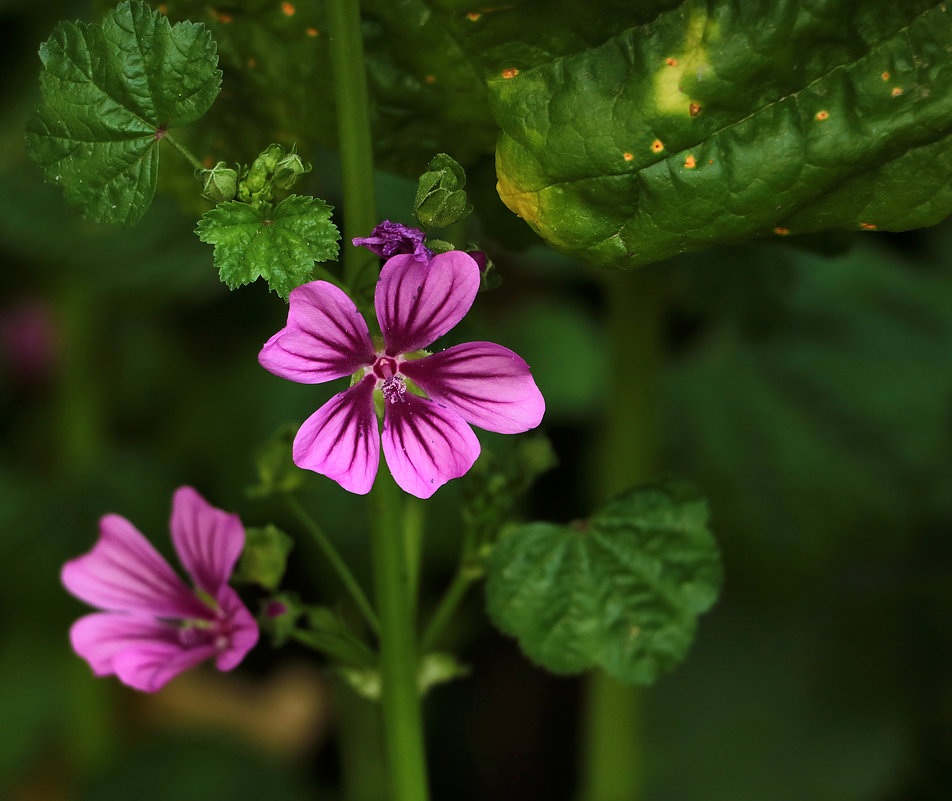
[(426, 440)]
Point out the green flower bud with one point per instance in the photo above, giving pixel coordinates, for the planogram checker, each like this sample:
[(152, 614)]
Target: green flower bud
[(288, 170), (263, 168), (219, 184), (440, 198)]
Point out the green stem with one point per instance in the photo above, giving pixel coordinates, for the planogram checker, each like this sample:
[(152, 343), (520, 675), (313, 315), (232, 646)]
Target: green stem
[(414, 517), (337, 562), (612, 767), (196, 164), (447, 608), (353, 134), (402, 709)]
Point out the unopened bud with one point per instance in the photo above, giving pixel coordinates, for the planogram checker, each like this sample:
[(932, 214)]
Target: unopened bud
[(288, 170), (219, 184), (440, 198)]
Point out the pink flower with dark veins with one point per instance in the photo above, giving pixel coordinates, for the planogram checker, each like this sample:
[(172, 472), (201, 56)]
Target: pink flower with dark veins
[(426, 440), (152, 626)]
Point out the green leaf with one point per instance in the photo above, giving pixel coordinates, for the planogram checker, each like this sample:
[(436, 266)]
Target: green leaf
[(279, 244), (671, 126), (109, 94), (621, 592), (264, 558)]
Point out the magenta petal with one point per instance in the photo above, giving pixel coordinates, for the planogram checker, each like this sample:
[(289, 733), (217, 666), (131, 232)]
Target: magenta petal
[(124, 573), (489, 385), (417, 302), (208, 540), (426, 445), (243, 630), (326, 337), (150, 666), (340, 439), (99, 637)]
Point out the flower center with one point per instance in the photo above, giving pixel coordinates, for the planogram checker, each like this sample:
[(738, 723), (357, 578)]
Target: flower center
[(394, 389), (385, 367), (198, 632)]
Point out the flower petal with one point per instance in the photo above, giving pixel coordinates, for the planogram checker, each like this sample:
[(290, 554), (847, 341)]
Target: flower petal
[(244, 630), (99, 637), (152, 665), (326, 337), (208, 540), (417, 302), (340, 439), (426, 445), (489, 385), (124, 573)]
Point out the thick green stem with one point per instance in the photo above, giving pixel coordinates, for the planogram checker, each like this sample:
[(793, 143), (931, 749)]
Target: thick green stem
[(336, 560), (612, 768), (353, 133), (402, 709)]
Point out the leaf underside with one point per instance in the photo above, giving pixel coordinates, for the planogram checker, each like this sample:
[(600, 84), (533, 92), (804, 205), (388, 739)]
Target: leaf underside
[(109, 93), (621, 593)]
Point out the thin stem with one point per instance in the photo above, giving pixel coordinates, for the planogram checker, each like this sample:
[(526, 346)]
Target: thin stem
[(196, 164), (337, 562), (402, 710), (448, 605), (612, 767), (353, 134)]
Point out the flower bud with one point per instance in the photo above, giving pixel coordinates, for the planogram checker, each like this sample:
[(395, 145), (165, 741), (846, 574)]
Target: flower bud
[(219, 184), (263, 168), (440, 198), (288, 170)]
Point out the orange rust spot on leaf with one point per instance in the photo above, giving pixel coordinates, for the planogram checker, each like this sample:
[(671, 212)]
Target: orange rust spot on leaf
[(868, 226), (312, 31), (627, 156), (885, 76), (694, 109), (711, 161), (781, 231), (511, 72), (657, 146), (473, 16), (671, 62), (896, 91), (822, 115), (690, 163), (288, 9), (431, 79)]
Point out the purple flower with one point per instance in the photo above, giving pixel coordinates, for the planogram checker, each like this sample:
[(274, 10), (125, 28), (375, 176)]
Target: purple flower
[(392, 239), (153, 626), (426, 440)]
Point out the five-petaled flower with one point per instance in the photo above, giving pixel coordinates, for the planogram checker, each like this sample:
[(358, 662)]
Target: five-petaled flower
[(426, 440), (152, 626)]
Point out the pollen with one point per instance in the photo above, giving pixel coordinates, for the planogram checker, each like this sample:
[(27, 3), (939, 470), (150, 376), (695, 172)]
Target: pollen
[(657, 146), (511, 72), (822, 115), (671, 62), (288, 9), (472, 16), (690, 163), (312, 31), (781, 231), (627, 156), (896, 91)]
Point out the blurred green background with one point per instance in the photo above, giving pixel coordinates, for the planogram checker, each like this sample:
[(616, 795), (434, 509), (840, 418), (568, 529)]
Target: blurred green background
[(805, 385)]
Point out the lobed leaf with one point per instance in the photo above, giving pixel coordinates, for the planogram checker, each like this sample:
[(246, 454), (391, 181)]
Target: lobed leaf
[(622, 592), (279, 244), (109, 94)]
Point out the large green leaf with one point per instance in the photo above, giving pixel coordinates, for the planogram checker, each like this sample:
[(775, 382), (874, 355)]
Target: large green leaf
[(661, 128), (621, 592), (110, 92)]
